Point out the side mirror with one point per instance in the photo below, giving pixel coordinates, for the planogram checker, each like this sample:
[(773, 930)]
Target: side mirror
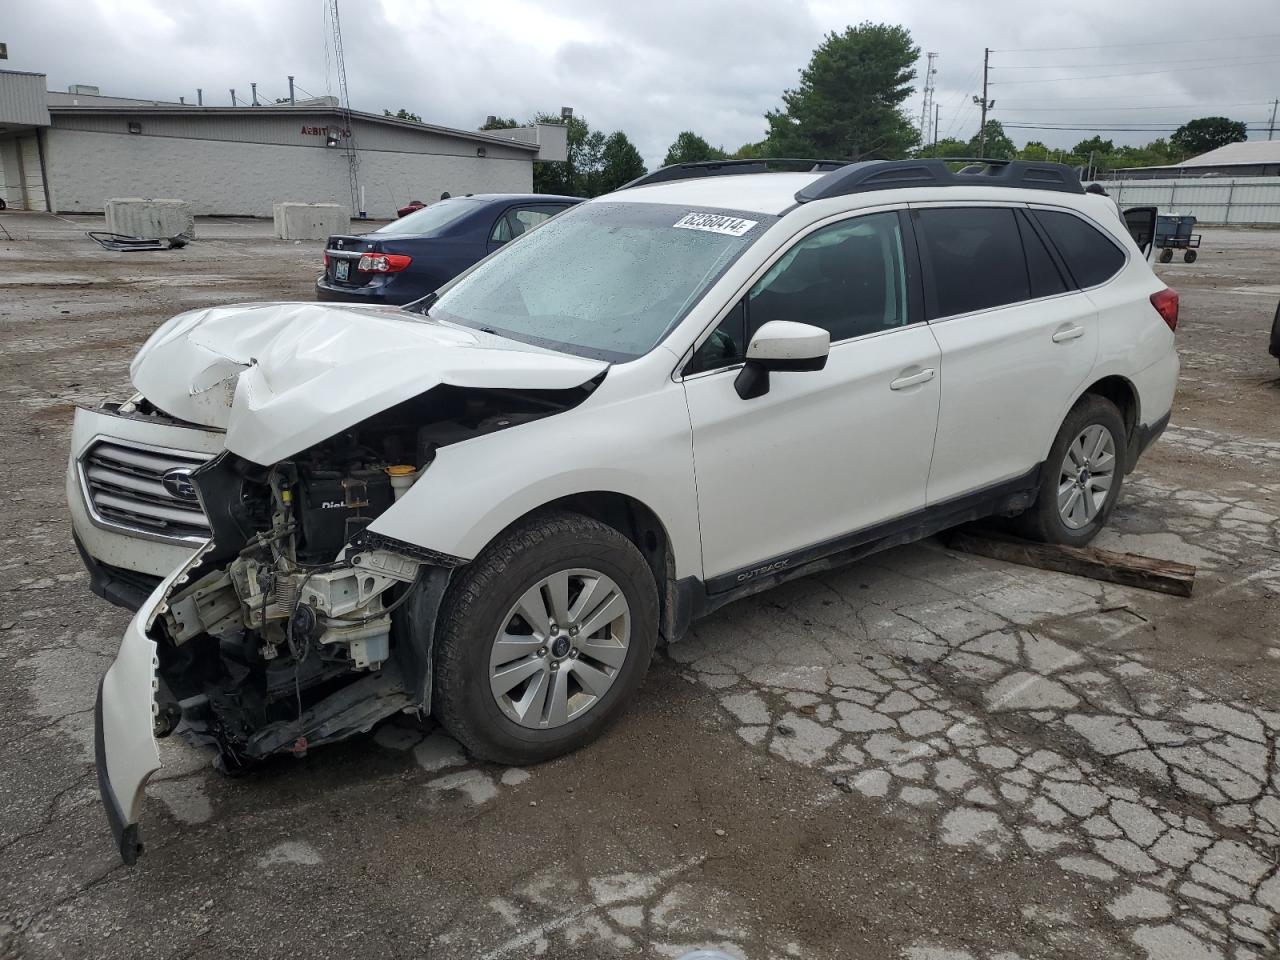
[(784, 346)]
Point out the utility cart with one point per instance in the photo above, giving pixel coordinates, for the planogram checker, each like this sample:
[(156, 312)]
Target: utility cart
[(1173, 232)]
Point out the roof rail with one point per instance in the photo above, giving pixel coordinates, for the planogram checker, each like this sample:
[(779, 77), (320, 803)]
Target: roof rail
[(933, 172), (722, 168)]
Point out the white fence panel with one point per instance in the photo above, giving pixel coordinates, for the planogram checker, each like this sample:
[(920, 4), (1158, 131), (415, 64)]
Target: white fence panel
[(1239, 201)]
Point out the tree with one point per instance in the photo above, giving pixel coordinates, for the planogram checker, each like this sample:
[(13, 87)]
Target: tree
[(996, 146), (848, 104), (620, 162), (402, 114), (688, 147), (580, 174), (1208, 133), (499, 123), (946, 147), (1034, 150), (1095, 145), (751, 151)]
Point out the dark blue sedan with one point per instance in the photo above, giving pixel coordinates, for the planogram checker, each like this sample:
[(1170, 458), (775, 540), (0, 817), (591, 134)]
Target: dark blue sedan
[(412, 256)]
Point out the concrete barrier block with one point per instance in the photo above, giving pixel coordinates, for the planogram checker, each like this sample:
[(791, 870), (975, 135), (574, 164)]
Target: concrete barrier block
[(309, 221), (135, 217)]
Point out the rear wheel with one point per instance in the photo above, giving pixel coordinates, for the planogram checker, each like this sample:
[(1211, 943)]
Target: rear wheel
[(1189, 257), (1082, 476), (544, 640)]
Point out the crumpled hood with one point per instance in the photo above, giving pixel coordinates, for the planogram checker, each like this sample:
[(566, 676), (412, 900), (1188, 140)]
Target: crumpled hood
[(280, 377)]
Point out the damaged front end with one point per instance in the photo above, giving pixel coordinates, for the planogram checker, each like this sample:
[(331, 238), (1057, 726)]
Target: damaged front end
[(296, 625)]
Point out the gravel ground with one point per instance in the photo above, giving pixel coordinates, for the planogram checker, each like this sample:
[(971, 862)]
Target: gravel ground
[(926, 755)]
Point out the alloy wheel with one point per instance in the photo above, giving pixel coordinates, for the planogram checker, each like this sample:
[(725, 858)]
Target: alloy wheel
[(1085, 478), (560, 648)]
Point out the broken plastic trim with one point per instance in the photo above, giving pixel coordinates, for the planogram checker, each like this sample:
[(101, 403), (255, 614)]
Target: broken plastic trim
[(368, 540), (126, 834)]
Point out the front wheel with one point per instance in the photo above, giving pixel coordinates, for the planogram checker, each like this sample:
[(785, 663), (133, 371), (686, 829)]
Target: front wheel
[(1166, 255), (1189, 257), (1082, 476), (544, 639)]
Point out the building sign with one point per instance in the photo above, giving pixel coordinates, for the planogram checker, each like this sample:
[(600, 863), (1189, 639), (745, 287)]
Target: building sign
[(324, 132)]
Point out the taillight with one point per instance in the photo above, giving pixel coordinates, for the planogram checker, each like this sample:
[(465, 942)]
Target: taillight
[(384, 262), (326, 259), (1166, 304)]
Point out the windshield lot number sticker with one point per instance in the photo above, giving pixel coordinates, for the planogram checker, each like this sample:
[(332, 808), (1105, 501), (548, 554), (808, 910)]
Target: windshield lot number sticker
[(715, 223)]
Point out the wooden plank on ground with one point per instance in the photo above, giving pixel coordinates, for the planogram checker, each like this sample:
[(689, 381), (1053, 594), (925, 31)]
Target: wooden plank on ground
[(1129, 569)]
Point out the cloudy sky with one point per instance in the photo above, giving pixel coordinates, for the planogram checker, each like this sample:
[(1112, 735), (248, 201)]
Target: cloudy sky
[(656, 67)]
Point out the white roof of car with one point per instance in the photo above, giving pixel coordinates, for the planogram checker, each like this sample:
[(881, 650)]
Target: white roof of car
[(769, 193)]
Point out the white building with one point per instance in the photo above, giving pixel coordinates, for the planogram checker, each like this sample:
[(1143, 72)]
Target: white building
[(70, 152)]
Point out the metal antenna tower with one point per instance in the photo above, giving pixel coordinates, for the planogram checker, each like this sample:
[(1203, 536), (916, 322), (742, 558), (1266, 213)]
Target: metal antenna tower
[(926, 109), (347, 135)]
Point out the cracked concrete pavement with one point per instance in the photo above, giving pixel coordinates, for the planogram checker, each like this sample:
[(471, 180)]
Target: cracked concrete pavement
[(926, 755)]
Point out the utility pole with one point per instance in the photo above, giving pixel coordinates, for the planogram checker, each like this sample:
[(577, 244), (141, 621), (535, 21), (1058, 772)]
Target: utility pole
[(937, 112), (1271, 129), (233, 96), (926, 109), (984, 103)]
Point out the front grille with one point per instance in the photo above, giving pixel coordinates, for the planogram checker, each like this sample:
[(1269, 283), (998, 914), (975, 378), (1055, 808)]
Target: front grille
[(125, 488)]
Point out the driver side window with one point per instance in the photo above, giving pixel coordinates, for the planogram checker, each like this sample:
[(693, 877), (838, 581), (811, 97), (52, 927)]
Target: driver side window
[(849, 278)]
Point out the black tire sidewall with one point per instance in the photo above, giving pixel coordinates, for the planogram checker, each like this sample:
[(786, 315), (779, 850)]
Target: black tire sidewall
[(1090, 410), (467, 705)]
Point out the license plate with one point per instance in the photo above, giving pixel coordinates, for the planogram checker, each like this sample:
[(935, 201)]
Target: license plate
[(341, 269)]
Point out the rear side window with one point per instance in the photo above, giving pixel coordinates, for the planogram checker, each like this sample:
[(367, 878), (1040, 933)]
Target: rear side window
[(975, 258), (1041, 270), (1090, 255)]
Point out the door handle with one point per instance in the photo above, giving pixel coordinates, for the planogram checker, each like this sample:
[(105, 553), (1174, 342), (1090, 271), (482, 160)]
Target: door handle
[(924, 376), (1071, 333)]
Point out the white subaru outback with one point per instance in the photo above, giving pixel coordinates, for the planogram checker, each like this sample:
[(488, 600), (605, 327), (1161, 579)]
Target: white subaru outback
[(490, 505)]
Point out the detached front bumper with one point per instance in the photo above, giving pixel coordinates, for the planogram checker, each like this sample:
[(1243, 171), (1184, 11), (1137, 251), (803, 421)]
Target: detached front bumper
[(123, 718)]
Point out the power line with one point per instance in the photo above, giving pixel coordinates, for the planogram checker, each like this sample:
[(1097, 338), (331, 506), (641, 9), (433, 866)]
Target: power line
[(1130, 63), (1202, 105), (1141, 43), (1097, 129), (1114, 76)]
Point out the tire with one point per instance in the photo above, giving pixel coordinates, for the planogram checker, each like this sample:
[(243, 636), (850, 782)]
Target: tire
[(1166, 255), (1045, 520), (1189, 257), (488, 600)]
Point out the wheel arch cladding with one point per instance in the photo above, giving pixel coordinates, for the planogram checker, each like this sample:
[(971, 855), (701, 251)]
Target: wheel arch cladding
[(640, 524), (1120, 391)]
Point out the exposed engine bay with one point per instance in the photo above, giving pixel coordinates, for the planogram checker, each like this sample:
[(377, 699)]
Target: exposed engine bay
[(296, 627)]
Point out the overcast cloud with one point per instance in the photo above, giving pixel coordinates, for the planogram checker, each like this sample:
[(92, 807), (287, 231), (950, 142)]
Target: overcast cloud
[(661, 66)]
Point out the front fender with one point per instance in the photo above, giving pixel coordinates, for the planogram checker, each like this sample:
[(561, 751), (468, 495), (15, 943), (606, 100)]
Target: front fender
[(638, 446)]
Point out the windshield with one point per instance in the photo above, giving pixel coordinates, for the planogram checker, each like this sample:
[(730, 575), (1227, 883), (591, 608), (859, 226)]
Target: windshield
[(605, 280), (429, 219)]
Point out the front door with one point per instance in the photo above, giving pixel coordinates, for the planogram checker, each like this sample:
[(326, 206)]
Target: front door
[(783, 477)]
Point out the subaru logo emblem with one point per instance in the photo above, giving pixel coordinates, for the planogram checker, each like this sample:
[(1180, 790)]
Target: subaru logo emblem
[(177, 483)]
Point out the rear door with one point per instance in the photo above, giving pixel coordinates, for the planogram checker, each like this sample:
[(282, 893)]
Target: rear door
[(1017, 342)]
